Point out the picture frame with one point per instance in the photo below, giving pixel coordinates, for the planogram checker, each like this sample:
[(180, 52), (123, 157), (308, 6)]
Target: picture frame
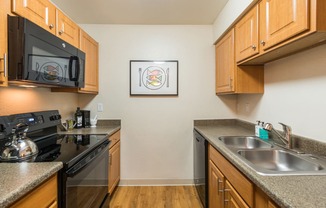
[(154, 78)]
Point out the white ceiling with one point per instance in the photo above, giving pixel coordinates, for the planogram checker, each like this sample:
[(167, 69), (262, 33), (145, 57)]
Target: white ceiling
[(153, 12)]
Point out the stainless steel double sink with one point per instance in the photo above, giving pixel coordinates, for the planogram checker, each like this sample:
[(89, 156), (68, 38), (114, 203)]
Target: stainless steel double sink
[(267, 159)]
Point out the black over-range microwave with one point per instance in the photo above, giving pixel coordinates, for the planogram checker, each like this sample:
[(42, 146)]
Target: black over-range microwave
[(37, 57)]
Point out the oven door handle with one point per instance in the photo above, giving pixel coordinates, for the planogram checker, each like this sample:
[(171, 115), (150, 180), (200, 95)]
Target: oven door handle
[(87, 160)]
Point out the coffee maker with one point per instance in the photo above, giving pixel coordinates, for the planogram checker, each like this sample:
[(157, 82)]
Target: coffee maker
[(86, 118)]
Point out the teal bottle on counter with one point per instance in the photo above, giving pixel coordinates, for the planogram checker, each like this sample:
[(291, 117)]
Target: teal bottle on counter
[(78, 118)]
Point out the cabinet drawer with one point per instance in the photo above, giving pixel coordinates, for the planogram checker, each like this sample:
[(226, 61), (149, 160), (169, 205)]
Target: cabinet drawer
[(114, 138), (44, 195), (243, 186)]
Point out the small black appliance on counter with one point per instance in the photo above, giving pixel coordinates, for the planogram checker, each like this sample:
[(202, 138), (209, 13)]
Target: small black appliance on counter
[(86, 118)]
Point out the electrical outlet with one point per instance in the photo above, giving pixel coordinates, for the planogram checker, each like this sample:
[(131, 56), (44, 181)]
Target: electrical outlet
[(247, 107), (99, 107)]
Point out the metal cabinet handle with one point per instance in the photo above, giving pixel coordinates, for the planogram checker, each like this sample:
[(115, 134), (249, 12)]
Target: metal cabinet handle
[(4, 65), (262, 42), (225, 199), (110, 159), (60, 32), (230, 82), (253, 47), (51, 26), (218, 186)]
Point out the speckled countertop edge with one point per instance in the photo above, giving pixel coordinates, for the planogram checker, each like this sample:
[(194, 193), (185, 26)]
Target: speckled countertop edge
[(286, 191), (107, 127), (18, 179)]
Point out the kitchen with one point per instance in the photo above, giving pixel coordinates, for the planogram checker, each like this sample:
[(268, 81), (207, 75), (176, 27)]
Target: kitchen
[(292, 85)]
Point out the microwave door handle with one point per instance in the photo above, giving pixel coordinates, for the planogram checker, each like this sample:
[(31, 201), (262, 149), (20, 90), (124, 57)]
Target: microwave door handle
[(77, 68)]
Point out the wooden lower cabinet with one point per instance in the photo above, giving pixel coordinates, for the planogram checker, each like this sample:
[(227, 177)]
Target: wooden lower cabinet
[(262, 200), (114, 161), (229, 188), (44, 195), (232, 198), (216, 186)]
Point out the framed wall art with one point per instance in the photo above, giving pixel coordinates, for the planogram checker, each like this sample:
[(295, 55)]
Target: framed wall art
[(154, 77)]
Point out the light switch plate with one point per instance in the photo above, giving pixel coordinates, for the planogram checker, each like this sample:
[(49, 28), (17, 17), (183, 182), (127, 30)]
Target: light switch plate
[(99, 107)]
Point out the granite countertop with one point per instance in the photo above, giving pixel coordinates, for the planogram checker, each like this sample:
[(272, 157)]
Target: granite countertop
[(286, 191), (108, 127), (17, 179)]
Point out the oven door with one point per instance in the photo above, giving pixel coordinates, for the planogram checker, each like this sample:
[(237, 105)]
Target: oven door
[(87, 181)]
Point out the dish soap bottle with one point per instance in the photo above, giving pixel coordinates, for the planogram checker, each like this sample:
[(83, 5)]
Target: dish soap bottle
[(79, 118), (263, 134), (257, 129)]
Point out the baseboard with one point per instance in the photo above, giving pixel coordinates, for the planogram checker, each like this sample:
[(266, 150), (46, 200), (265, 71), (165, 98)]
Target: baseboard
[(156, 182)]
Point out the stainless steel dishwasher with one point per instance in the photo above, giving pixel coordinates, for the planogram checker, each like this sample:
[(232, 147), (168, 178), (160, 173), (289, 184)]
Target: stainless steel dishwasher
[(201, 167)]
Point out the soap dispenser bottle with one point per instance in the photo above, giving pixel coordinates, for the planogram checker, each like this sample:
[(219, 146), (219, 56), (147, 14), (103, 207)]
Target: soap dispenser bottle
[(263, 134), (257, 129)]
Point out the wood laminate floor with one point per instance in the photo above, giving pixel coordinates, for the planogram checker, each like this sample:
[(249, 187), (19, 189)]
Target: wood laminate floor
[(155, 197)]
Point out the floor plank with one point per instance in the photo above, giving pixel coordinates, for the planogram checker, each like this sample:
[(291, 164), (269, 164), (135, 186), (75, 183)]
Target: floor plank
[(155, 197)]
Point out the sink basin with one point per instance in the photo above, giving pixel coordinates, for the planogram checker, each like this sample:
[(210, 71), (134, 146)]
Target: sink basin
[(280, 162), (244, 142)]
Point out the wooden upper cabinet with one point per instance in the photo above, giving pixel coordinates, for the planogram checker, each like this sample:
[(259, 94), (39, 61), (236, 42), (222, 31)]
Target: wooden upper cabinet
[(90, 47), (67, 30), (230, 78), (285, 27), (281, 20), (246, 35), (225, 64), (41, 12)]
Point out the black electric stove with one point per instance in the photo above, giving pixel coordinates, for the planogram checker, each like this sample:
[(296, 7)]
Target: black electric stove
[(84, 157), (67, 148)]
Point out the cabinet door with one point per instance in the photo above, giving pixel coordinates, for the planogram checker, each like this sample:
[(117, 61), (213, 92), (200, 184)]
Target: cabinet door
[(225, 63), (90, 47), (44, 195), (41, 12), (281, 20), (5, 9), (114, 166), (232, 198), (67, 30), (215, 187), (246, 35)]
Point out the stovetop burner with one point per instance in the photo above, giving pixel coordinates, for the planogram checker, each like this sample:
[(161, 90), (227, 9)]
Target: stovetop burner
[(67, 148)]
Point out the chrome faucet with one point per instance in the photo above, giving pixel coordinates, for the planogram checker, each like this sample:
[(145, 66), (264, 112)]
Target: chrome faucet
[(286, 138)]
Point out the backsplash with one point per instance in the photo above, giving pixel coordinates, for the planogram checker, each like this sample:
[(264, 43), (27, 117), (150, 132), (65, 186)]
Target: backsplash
[(19, 100)]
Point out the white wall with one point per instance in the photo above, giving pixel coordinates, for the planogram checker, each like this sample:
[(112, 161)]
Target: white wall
[(157, 131), (295, 94), (228, 15)]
